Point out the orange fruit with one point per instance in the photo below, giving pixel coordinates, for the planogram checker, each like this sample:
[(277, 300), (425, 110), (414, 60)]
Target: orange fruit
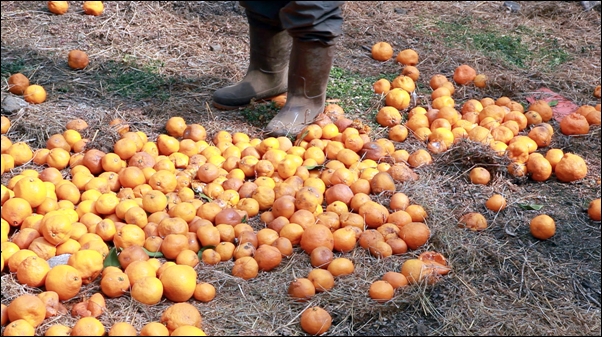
[(442, 101), (122, 329), (420, 157), (88, 326), (593, 209), (381, 87), (464, 74), (128, 235), (437, 80), (204, 292), (496, 203), (58, 158), (381, 291), (542, 108), (398, 133), (344, 239), (245, 267), (570, 168), (322, 279), (56, 227), (398, 98), (154, 201), (58, 329), (382, 51), (154, 329), (77, 59), (4, 126), (315, 236), (32, 271), (88, 262), (407, 57), (6, 143), (34, 94), (473, 220), (480, 80), (539, 167), (395, 279), (19, 327), (341, 266), (416, 271), (114, 284), (574, 124), (65, 280), (175, 126), (164, 181), (147, 290), (179, 283), (554, 156), (415, 234), (17, 83), (23, 237), (387, 116), (479, 175), (181, 314), (194, 132), (404, 82), (188, 330), (93, 7), (77, 124), (58, 7), (321, 257), (31, 189), (20, 152), (187, 257), (542, 227), (411, 71), (301, 289), (139, 269), (315, 320), (17, 257), (27, 307)]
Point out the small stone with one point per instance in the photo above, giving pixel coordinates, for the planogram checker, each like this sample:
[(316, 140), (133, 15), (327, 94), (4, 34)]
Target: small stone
[(58, 260), (588, 5), (511, 6), (13, 104)]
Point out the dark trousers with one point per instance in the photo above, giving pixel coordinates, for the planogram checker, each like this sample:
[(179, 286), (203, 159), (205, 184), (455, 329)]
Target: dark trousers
[(306, 20)]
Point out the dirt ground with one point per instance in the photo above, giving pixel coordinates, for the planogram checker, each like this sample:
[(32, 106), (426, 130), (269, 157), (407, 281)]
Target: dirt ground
[(503, 281)]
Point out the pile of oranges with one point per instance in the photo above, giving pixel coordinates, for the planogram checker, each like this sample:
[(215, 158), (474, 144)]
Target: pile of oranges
[(506, 126), (166, 205), (185, 198)]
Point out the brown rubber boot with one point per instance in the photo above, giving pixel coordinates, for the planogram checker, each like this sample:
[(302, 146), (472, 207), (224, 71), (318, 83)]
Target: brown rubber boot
[(309, 70), (267, 73)]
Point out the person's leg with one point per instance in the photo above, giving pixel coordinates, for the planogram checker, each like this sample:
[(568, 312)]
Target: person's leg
[(269, 50), (314, 26)]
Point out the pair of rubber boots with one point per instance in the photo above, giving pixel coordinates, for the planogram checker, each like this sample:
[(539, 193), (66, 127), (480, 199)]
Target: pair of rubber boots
[(275, 68)]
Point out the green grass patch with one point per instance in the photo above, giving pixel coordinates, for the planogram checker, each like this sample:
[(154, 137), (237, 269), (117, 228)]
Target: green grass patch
[(9, 68), (354, 90), (131, 80), (521, 47), (260, 114)]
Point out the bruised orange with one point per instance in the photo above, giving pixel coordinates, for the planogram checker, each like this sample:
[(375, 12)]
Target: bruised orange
[(77, 59)]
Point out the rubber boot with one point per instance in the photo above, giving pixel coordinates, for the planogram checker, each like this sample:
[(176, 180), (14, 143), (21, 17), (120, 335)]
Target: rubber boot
[(309, 70), (267, 73)]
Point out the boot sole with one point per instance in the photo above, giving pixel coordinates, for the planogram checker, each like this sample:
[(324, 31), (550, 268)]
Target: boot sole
[(234, 107)]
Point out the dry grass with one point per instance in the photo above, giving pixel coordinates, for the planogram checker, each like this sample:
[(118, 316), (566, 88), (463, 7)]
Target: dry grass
[(154, 60)]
